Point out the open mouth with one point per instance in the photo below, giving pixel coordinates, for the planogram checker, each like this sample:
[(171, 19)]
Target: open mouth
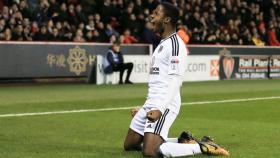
[(152, 23), (153, 26), (150, 19)]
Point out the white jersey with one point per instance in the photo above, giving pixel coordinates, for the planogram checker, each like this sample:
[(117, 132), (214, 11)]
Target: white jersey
[(169, 58)]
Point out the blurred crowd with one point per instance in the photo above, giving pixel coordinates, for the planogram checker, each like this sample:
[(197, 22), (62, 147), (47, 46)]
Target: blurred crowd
[(232, 22)]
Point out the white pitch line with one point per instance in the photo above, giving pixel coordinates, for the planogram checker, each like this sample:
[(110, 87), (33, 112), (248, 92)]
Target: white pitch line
[(126, 108), (231, 100), (65, 112)]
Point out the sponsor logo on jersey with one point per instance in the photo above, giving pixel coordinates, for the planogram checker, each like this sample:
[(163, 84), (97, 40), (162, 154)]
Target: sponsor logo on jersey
[(154, 70), (174, 61)]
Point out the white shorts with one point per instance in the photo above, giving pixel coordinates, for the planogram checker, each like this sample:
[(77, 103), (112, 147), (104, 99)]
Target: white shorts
[(141, 124)]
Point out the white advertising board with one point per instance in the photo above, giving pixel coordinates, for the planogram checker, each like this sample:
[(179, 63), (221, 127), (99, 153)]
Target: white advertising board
[(202, 68), (139, 73), (199, 68)]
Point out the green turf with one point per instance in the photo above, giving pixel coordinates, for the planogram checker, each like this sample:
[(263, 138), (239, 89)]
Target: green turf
[(248, 129)]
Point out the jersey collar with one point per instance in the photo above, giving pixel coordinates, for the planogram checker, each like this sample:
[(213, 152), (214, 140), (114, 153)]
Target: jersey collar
[(168, 37)]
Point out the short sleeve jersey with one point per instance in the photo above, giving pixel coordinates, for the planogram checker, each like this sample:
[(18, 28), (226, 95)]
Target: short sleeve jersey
[(169, 58)]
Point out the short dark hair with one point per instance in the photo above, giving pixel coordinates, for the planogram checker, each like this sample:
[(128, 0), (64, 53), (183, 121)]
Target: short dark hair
[(116, 43), (171, 11)]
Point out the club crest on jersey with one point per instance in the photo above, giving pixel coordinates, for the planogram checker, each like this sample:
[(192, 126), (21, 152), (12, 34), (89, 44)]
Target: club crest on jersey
[(174, 61), (160, 49), (174, 65)]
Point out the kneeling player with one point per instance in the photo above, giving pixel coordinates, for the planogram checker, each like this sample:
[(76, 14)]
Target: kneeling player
[(151, 123)]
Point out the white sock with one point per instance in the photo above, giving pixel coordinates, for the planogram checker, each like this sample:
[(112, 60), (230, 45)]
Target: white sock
[(173, 140), (170, 149)]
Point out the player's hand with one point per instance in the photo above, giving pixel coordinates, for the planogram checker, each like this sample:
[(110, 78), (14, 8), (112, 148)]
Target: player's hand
[(153, 115), (134, 111)]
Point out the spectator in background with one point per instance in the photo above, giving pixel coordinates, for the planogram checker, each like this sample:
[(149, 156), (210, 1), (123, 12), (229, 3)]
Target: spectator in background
[(263, 35), (17, 34), (128, 38), (8, 34), (24, 9), (257, 41), (63, 15), (114, 62), (106, 10), (256, 38), (79, 37), (81, 17), (206, 20), (96, 17), (272, 38), (42, 35), (113, 39), (72, 17), (34, 28), (89, 36), (234, 39), (110, 31), (41, 12), (54, 9), (32, 4), (90, 26), (55, 36), (183, 34), (82, 27), (5, 13), (101, 30), (27, 34), (2, 26), (68, 32), (50, 26), (95, 36), (247, 37)]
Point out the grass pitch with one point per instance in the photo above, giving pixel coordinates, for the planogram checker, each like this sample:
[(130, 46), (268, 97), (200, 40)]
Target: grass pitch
[(248, 129)]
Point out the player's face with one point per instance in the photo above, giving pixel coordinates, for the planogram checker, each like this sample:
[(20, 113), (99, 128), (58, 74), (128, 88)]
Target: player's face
[(157, 19)]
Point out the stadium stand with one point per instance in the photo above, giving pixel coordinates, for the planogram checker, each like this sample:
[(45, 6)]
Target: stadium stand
[(232, 22)]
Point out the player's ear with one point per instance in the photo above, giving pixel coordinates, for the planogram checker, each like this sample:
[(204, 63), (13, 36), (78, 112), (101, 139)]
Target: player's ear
[(167, 19)]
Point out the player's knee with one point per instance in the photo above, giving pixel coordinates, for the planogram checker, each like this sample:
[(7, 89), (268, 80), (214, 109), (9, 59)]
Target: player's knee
[(148, 152), (126, 146), (132, 147)]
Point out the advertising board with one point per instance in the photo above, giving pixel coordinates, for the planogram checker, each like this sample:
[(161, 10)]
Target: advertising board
[(199, 68)]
